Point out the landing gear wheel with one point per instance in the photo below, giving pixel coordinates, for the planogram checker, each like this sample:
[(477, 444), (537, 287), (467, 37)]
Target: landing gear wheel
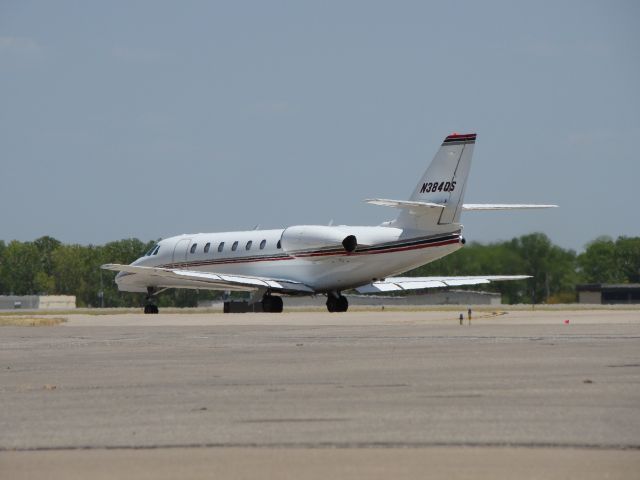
[(278, 305), (343, 304), (150, 308), (337, 304), (272, 304)]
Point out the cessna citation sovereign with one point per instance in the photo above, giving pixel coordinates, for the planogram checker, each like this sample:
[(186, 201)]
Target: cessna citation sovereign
[(316, 259)]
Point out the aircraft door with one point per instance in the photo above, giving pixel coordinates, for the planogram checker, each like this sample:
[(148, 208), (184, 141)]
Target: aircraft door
[(180, 250)]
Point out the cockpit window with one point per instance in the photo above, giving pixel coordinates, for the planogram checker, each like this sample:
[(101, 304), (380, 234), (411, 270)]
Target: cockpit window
[(155, 252), (150, 252)]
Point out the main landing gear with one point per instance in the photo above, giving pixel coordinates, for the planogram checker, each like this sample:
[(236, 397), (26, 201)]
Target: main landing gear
[(149, 301), (336, 302), (272, 304), (269, 303)]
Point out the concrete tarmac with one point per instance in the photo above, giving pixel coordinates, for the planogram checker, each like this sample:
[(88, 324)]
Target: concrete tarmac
[(310, 395)]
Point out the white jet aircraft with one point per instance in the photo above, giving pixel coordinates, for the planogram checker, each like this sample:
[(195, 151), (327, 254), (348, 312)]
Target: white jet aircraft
[(316, 259)]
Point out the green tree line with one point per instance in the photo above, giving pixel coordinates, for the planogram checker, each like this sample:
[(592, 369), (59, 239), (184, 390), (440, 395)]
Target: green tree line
[(555, 271), (47, 266)]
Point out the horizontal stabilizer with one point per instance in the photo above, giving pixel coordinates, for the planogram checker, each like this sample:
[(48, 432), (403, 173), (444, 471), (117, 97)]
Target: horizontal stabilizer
[(426, 206), (402, 203), (417, 283), (503, 206)]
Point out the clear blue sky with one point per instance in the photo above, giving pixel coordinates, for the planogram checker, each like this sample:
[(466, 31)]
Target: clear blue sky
[(149, 118)]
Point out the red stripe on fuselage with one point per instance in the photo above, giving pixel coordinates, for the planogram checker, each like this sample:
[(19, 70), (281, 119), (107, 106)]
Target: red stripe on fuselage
[(374, 252)]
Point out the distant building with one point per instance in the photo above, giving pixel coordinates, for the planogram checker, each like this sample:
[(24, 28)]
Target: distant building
[(608, 294), (37, 302)]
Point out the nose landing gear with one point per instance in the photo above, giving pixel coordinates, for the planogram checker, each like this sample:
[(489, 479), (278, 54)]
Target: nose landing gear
[(149, 301), (150, 308)]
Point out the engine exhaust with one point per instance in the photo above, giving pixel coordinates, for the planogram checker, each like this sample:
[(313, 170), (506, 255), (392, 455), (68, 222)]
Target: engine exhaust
[(350, 243)]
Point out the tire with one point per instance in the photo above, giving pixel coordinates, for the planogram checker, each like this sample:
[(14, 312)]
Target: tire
[(150, 309), (272, 304), (332, 304), (266, 304), (276, 304), (337, 304), (342, 304)]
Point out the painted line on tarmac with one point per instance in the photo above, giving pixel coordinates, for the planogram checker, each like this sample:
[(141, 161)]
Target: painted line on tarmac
[(338, 445)]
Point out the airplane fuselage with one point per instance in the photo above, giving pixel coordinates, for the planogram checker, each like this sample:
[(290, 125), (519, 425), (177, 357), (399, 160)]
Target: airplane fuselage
[(311, 255)]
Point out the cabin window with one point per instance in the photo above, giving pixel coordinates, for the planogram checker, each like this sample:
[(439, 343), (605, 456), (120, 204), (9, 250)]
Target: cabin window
[(248, 247), (221, 246), (234, 247), (155, 252), (207, 247), (279, 245), (263, 243), (193, 248)]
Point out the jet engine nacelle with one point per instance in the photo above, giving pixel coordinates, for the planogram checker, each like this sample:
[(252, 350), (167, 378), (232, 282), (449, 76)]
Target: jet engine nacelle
[(316, 237)]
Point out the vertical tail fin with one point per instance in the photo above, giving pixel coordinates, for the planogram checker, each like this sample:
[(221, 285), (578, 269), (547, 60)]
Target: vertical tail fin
[(444, 183)]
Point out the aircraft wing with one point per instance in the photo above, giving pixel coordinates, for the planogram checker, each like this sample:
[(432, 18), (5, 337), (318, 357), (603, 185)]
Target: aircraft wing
[(416, 283), (213, 281)]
